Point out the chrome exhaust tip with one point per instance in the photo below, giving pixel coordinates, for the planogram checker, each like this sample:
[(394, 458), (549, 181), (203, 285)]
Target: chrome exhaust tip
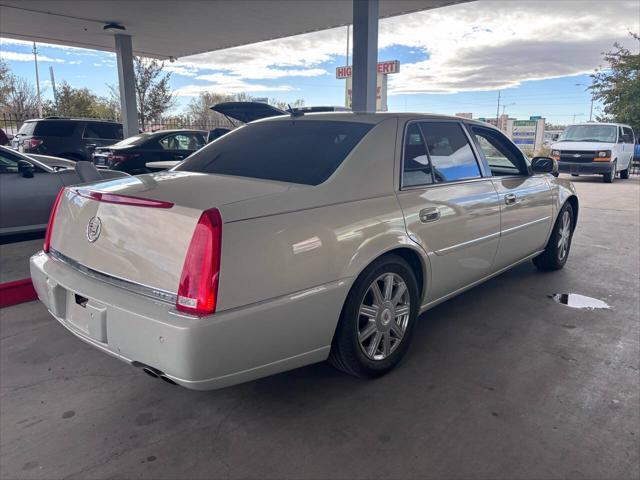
[(150, 371), (168, 380)]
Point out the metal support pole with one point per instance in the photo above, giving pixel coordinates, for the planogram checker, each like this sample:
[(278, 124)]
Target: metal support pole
[(126, 81), (365, 55)]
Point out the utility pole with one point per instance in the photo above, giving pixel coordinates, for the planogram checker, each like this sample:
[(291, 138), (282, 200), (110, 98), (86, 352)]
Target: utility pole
[(35, 59), (498, 109), (592, 99), (53, 85)]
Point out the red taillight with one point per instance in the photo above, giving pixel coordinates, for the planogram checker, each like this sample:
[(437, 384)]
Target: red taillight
[(34, 143), (106, 197), (116, 158), (52, 217), (198, 290)]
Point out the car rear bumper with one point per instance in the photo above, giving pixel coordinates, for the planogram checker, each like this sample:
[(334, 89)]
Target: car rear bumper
[(205, 353), (592, 168)]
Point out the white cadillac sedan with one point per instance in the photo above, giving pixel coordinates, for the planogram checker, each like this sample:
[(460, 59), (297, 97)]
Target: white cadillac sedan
[(296, 239)]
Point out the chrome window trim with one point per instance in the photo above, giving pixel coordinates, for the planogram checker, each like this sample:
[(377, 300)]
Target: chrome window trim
[(139, 288), (453, 182), (499, 133)]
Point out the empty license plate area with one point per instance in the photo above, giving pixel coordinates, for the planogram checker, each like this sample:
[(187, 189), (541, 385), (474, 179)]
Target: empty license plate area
[(87, 316)]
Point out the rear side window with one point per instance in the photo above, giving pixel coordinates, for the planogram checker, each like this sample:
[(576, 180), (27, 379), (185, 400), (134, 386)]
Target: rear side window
[(451, 156), (27, 128), (109, 131), (304, 151), (54, 128), (417, 168), (628, 135)]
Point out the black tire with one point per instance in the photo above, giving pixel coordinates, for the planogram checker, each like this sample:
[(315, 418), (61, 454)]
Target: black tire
[(609, 177), (624, 174), (551, 258), (346, 352)]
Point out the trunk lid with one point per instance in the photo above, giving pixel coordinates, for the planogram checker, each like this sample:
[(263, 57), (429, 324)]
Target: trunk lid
[(145, 245)]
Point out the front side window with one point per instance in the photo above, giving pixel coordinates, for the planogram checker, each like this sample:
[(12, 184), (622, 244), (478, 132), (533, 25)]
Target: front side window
[(589, 133), (181, 141), (628, 135), (295, 151), (450, 153), (503, 157)]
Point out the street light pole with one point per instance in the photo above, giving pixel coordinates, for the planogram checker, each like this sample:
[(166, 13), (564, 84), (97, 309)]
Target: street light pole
[(592, 98), (35, 60)]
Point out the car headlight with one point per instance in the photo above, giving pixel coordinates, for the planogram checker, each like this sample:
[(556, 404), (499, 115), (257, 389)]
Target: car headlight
[(555, 153), (604, 153)]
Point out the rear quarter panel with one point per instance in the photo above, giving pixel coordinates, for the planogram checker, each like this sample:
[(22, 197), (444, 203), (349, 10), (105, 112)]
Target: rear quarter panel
[(276, 255)]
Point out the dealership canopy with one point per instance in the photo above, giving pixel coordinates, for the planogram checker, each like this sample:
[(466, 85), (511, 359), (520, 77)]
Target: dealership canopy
[(177, 28)]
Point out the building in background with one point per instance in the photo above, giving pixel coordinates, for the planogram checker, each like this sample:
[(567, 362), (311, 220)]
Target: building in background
[(468, 115)]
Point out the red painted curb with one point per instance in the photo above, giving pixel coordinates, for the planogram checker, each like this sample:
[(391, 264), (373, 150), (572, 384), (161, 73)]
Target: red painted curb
[(12, 293)]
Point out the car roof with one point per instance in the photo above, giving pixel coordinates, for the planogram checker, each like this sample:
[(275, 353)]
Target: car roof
[(371, 118), (73, 119), (175, 130), (601, 123)]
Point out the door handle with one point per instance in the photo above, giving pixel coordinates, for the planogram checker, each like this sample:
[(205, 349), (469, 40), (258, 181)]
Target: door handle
[(510, 198), (429, 214)]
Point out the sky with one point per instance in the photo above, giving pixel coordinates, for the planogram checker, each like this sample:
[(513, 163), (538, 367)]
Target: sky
[(537, 54)]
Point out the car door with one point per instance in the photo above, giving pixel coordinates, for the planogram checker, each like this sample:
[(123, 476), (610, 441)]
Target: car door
[(526, 201), (629, 141), (25, 203), (450, 207), (179, 146)]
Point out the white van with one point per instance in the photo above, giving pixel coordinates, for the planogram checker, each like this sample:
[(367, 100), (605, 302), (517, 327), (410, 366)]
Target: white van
[(595, 149)]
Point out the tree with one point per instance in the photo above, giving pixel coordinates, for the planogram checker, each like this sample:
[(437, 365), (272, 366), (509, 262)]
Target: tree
[(153, 92), (198, 109), (285, 105), (80, 102), (6, 79), (20, 97), (618, 85)]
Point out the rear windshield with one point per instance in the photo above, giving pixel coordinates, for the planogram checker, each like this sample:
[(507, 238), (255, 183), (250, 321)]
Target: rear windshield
[(54, 128), (306, 152), (27, 128)]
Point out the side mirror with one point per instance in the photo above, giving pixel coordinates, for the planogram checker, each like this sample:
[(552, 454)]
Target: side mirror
[(25, 169), (544, 165)]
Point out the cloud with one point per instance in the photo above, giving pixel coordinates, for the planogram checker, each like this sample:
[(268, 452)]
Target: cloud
[(27, 57), (494, 45), (228, 85), (483, 45)]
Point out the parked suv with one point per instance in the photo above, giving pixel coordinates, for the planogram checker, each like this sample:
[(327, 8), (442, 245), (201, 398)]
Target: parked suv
[(595, 148), (71, 138)]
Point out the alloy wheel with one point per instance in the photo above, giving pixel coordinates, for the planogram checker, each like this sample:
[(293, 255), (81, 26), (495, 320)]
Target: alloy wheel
[(565, 235), (383, 316)]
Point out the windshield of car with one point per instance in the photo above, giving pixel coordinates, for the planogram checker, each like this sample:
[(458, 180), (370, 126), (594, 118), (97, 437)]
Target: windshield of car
[(306, 152), (135, 140), (27, 128), (589, 133)]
